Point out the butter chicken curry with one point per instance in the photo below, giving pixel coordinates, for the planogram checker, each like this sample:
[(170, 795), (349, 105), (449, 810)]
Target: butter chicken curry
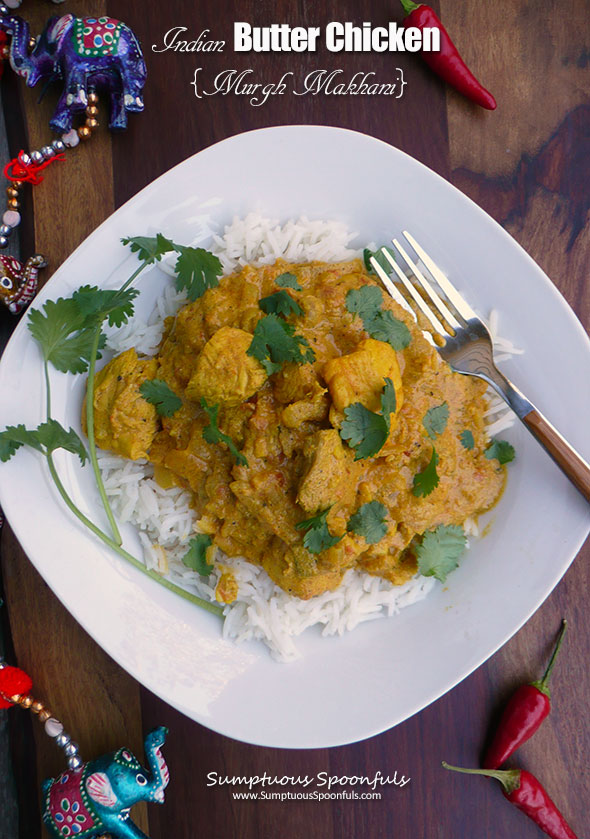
[(318, 429)]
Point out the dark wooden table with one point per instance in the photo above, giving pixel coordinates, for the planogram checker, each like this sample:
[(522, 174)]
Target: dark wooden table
[(528, 165)]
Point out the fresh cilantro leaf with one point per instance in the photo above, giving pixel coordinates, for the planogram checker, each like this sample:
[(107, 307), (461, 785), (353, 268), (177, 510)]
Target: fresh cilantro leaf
[(365, 431), (149, 248), (212, 434), (15, 436), (386, 327), (427, 480), (501, 450), (46, 438), (54, 436), (274, 342), (435, 420), (318, 537), (379, 323), (197, 270), (369, 522), (280, 303), (196, 556), (365, 301), (439, 551), (467, 440), (117, 306), (379, 258), (64, 334), (388, 402), (288, 280), (157, 393)]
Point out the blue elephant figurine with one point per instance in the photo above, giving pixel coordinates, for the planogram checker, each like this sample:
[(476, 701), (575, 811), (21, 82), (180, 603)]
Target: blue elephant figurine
[(96, 53), (96, 798)]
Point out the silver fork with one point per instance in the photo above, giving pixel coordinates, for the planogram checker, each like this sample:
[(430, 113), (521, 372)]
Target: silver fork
[(468, 349)]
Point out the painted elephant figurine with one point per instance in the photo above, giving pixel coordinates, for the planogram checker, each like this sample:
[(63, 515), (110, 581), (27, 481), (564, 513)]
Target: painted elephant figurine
[(18, 282), (96, 798), (96, 53)]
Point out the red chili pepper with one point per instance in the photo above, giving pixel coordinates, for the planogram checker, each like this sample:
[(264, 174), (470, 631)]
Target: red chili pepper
[(523, 715), (526, 792), (447, 63)]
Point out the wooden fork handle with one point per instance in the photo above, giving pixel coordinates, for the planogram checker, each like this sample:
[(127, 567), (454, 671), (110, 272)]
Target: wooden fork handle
[(567, 458)]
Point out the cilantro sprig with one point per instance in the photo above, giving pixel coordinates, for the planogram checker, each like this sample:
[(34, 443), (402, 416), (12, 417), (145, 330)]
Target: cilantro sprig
[(280, 303), (435, 420), (365, 431), (163, 398), (379, 323), (69, 334), (196, 556), (318, 537), (379, 257), (426, 481), (212, 434), (197, 270), (274, 342), (439, 551), (467, 439), (369, 522), (501, 450), (288, 280), (46, 438)]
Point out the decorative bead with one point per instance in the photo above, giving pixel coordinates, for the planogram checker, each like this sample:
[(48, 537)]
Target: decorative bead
[(84, 132), (3, 242), (44, 715), (71, 139), (74, 762), (59, 145), (37, 707), (32, 43), (12, 192), (47, 152), (17, 184), (93, 97), (92, 111), (62, 739), (11, 218), (26, 701), (13, 204), (5, 230), (24, 158), (71, 749), (36, 156), (5, 52), (53, 727), (92, 123)]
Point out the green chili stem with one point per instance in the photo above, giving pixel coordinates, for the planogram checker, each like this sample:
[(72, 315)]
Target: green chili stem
[(192, 598), (409, 6), (542, 685), (509, 778)]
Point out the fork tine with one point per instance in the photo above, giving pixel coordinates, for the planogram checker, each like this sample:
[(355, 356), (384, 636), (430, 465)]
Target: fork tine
[(391, 287), (449, 289), (441, 307), (426, 311)]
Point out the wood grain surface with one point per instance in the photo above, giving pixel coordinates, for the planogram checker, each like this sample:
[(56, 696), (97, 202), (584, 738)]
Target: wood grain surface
[(528, 165)]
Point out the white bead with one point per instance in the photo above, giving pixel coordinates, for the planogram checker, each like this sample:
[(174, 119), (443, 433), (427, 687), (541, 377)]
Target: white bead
[(11, 218), (71, 139), (53, 727)]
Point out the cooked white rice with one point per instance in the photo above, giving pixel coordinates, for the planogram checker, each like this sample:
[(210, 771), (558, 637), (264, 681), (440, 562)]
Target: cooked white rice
[(164, 518)]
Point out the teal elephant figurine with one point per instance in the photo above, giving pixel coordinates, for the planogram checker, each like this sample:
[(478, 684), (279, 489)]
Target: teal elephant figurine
[(95, 798)]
